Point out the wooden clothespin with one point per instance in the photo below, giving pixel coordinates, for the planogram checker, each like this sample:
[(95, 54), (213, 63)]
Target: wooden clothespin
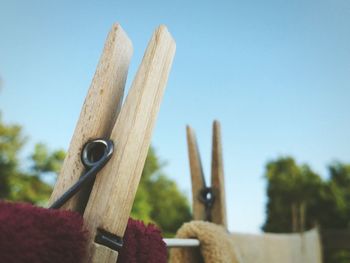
[(208, 202), (107, 202)]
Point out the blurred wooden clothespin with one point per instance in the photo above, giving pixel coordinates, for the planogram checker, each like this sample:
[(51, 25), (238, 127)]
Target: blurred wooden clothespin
[(208, 201), (107, 201)]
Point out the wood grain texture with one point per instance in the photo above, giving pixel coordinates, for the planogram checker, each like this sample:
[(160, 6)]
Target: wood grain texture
[(114, 190), (100, 109), (217, 178), (102, 252), (196, 175)]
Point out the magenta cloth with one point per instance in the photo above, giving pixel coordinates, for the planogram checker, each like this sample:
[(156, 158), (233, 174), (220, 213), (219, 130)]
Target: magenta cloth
[(142, 244), (29, 234)]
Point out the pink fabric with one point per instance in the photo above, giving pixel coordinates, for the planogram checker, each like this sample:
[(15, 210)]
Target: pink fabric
[(29, 234), (37, 235), (142, 244)]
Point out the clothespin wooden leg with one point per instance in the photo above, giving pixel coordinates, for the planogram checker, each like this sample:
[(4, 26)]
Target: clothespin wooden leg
[(113, 193), (197, 178), (217, 178), (100, 109)]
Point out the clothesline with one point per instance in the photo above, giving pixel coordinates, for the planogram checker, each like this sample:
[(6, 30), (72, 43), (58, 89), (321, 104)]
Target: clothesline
[(181, 242)]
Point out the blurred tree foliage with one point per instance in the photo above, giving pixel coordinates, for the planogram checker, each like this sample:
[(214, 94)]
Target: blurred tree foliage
[(158, 199), (16, 183), (299, 199), (291, 190)]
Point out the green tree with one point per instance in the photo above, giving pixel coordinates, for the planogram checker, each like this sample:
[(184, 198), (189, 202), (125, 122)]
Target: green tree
[(158, 198), (299, 199), (11, 141), (340, 178), (333, 204), (28, 185), (170, 208), (45, 161), (292, 190)]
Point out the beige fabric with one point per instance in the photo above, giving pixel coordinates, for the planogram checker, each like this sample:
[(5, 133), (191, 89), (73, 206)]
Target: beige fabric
[(216, 245), (219, 246)]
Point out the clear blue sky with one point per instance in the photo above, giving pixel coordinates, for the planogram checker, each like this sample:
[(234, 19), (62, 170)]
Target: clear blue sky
[(275, 73)]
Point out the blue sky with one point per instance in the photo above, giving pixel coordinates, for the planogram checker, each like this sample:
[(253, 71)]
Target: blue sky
[(275, 73)]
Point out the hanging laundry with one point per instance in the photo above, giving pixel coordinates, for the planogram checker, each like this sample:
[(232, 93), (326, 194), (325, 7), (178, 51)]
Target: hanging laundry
[(217, 245)]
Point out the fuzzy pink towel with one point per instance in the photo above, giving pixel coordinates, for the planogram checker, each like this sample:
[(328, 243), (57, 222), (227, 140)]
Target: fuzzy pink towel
[(29, 234), (142, 244), (37, 235)]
